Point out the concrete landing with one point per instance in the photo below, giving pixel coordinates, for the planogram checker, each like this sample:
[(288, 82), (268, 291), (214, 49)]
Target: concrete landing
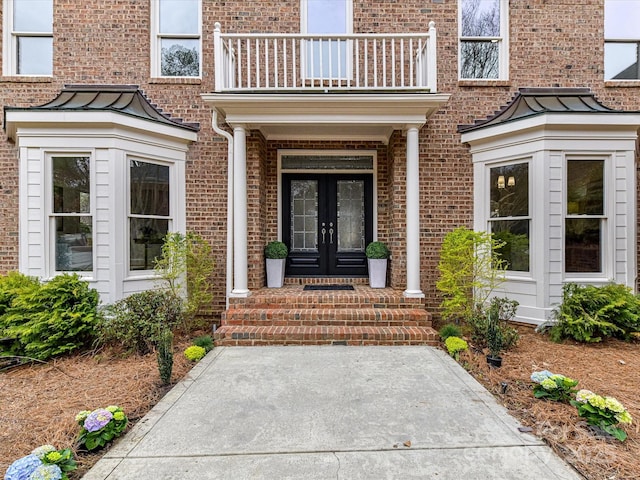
[(329, 412)]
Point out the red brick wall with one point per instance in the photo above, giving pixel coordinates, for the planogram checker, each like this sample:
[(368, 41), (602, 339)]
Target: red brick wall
[(552, 43)]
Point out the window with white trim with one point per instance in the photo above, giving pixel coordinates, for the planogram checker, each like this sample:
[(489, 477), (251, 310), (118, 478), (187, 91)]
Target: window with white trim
[(71, 219), (621, 40), (585, 216), (176, 43), (483, 48), (28, 37), (509, 216), (149, 212), (325, 58)]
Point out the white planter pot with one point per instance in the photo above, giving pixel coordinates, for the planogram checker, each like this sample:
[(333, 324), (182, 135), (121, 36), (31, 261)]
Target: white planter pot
[(275, 272), (377, 272)]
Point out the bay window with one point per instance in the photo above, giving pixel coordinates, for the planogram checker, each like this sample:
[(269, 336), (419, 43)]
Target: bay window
[(509, 217), (585, 217)]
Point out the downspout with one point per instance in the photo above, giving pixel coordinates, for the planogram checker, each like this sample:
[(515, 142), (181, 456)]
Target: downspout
[(229, 137)]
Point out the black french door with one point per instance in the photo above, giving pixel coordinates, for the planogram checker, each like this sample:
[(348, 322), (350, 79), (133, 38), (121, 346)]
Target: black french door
[(327, 223)]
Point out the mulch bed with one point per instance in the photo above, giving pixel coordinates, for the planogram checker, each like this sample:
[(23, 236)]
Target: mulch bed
[(38, 403), (611, 368)]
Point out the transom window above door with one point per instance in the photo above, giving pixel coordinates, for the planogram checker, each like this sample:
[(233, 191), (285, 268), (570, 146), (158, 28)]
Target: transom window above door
[(325, 58)]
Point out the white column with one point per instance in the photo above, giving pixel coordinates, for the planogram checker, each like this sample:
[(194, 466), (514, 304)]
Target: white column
[(240, 282), (413, 215)]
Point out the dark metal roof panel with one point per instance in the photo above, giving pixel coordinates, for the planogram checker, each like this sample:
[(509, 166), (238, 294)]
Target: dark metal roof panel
[(126, 99), (529, 102)]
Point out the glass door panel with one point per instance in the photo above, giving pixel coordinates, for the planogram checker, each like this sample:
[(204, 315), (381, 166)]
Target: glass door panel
[(350, 207), (304, 215)]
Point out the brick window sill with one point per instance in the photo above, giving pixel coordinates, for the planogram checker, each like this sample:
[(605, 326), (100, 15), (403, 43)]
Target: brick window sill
[(176, 80), (484, 83), (622, 83), (25, 79)]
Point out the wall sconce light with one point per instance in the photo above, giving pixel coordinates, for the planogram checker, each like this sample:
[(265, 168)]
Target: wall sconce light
[(511, 182), (501, 183)]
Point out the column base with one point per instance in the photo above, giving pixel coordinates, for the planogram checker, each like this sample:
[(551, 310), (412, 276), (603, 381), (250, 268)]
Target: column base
[(413, 294), (240, 293)]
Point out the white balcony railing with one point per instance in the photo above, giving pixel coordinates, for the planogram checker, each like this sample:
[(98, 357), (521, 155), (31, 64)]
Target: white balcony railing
[(287, 62)]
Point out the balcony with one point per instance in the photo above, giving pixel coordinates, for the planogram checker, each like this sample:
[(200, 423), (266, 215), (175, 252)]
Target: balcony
[(318, 63)]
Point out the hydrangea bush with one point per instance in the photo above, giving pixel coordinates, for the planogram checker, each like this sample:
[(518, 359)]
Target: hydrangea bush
[(43, 463), (603, 412), (553, 386), (100, 426)]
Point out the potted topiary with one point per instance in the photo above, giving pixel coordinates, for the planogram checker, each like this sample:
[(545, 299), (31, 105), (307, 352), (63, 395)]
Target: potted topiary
[(377, 254), (276, 255), (495, 340)]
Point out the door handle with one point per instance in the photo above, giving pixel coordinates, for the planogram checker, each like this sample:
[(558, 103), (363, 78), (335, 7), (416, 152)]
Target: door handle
[(331, 235), (324, 232)]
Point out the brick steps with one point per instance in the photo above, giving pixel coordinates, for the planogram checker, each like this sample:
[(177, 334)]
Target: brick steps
[(293, 316), (238, 335), (327, 316)]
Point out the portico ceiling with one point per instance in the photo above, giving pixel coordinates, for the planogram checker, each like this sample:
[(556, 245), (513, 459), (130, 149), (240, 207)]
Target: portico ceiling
[(326, 116)]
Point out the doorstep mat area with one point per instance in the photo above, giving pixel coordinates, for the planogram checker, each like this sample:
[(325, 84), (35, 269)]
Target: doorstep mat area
[(329, 287)]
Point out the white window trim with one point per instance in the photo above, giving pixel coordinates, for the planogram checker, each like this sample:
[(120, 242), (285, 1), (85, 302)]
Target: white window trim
[(511, 274), (349, 46), (49, 225), (502, 40), (156, 41), (607, 233), (10, 43), (173, 202)]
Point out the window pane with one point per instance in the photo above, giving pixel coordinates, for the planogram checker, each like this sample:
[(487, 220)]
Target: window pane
[(147, 236), (479, 59), (509, 190), (71, 185), (585, 187), (35, 56), (180, 57), (33, 16), (515, 235), (304, 215), (326, 16), (583, 245), (621, 61), (480, 18), (74, 251), (149, 188), (621, 19), (179, 16), (350, 197)]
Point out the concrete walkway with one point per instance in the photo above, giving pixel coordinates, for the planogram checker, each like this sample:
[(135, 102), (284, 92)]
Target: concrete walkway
[(328, 412)]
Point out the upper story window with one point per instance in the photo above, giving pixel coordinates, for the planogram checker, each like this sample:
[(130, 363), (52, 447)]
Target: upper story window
[(176, 38), (28, 37), (509, 218), (622, 40), (483, 27), (327, 58), (71, 220), (584, 225)]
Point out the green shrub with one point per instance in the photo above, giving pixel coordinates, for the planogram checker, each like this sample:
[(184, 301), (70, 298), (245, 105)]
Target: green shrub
[(485, 328), (164, 355), (48, 319), (186, 266), (589, 313), (195, 353), (377, 250), (470, 269), (137, 321), (276, 250), (204, 341), (449, 330), (455, 345)]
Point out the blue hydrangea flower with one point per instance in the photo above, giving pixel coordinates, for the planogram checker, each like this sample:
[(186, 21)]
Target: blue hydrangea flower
[(97, 419), (22, 468), (46, 472), (538, 377)]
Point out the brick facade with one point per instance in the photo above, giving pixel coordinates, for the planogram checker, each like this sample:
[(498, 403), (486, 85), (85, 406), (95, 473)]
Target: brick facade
[(552, 43)]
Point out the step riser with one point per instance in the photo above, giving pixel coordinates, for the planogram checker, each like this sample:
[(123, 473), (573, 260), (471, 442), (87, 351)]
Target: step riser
[(331, 317), (322, 303), (268, 342)]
